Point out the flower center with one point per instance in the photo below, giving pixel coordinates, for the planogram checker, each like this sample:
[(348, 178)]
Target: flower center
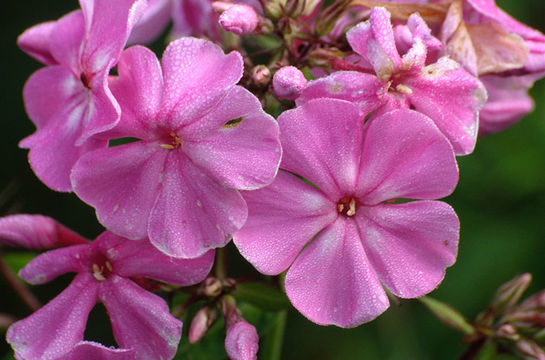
[(85, 81), (173, 142), (347, 206), (102, 270)]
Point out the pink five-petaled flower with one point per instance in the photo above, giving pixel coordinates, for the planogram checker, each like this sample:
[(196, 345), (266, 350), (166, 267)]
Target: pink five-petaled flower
[(141, 322), (202, 138), (508, 57), (69, 100), (444, 91), (358, 238)]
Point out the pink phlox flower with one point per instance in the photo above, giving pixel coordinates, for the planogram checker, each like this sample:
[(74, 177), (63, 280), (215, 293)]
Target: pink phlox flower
[(337, 232), (443, 90), (141, 321), (202, 138), (189, 18), (507, 55), (69, 100)]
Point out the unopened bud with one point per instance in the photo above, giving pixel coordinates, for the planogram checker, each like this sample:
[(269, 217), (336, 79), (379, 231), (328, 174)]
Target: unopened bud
[(242, 341), (507, 331), (330, 16), (274, 8), (201, 323), (324, 57), (230, 311), (260, 75), (530, 349), (239, 19), (220, 6), (534, 302), (212, 287), (289, 82), (509, 293)]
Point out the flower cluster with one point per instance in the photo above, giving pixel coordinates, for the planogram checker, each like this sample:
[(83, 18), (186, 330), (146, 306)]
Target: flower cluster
[(178, 157)]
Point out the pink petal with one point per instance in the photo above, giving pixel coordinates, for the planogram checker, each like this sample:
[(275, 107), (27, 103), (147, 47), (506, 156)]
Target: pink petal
[(452, 98), (95, 351), (193, 213), (410, 245), (51, 264), (53, 150), (103, 111), (57, 327), (49, 92), (282, 218), (405, 156), (35, 42), (242, 341), (154, 20), (322, 143), (196, 18), (197, 75), (374, 41), (66, 39), (121, 183), (508, 101), (245, 156), (332, 281), (36, 232), (138, 90), (140, 319), (366, 90), (141, 259), (107, 26), (489, 9)]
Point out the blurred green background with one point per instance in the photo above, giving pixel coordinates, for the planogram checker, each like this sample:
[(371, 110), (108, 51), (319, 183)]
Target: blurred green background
[(500, 201)]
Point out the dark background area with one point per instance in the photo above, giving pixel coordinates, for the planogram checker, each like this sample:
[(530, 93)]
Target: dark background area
[(500, 201)]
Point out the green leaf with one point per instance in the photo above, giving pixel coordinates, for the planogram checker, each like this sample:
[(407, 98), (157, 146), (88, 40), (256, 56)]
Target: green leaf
[(8, 357), (265, 297), (448, 315), (18, 260), (488, 351)]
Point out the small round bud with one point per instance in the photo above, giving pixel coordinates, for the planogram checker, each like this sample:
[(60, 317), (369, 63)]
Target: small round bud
[(260, 75), (239, 19), (242, 341), (288, 83), (212, 287)]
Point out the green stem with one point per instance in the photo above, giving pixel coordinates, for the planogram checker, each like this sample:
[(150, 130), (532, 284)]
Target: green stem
[(24, 293), (220, 265), (273, 341)]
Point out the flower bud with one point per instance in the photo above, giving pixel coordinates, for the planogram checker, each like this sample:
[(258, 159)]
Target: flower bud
[(260, 75), (201, 323), (212, 287), (509, 293), (239, 19), (220, 6), (289, 82), (242, 341), (530, 349), (507, 331), (535, 302)]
